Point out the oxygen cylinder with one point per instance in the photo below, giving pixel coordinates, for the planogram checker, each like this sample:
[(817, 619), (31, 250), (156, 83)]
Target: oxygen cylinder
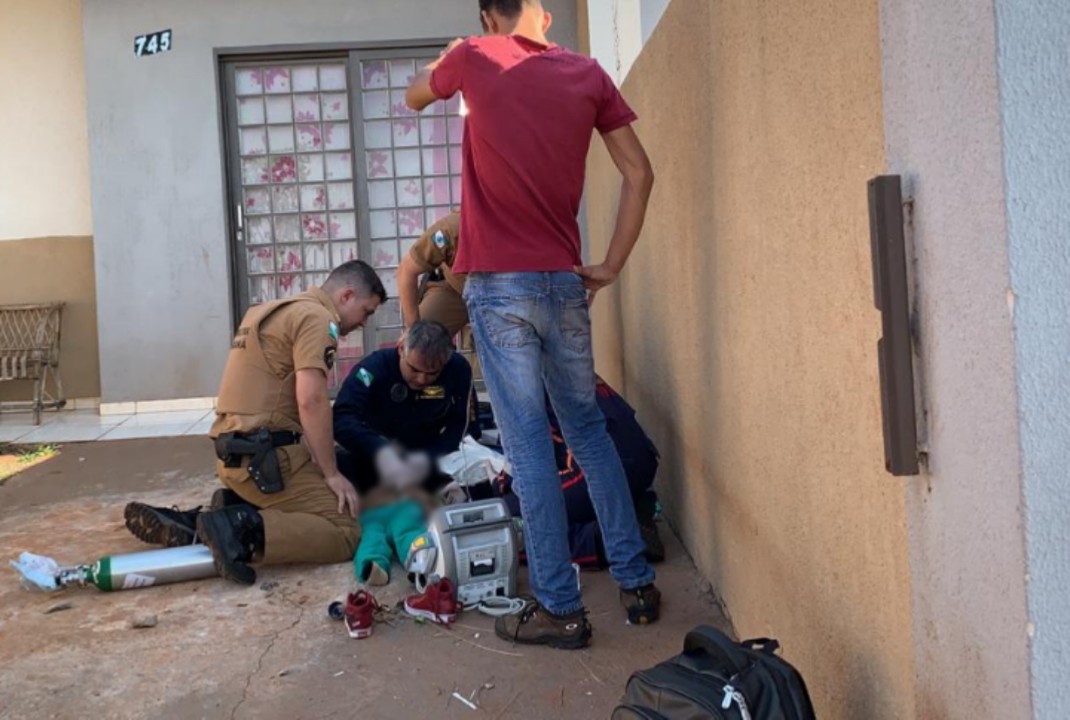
[(145, 569)]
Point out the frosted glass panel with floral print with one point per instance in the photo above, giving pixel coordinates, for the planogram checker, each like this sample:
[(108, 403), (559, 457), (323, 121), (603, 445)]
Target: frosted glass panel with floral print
[(251, 111), (306, 108)]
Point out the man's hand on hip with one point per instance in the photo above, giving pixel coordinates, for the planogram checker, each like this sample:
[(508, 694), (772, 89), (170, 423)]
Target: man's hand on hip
[(596, 277), (348, 502)]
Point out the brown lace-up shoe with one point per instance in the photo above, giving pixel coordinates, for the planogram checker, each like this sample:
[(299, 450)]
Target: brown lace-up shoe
[(534, 625)]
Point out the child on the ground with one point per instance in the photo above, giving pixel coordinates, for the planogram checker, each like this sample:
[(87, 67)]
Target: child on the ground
[(393, 517)]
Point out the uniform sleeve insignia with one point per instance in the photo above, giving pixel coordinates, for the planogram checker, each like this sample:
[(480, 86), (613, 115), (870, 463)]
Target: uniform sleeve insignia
[(328, 356), (238, 343), (333, 330), (441, 240), (365, 377)]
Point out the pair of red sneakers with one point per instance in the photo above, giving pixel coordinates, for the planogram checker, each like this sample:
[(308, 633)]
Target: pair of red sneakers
[(438, 604)]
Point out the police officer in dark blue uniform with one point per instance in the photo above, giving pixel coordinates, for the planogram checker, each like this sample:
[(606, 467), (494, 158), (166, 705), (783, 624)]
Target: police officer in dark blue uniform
[(401, 409)]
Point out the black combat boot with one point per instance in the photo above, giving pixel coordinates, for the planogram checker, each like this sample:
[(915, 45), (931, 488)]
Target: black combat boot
[(234, 535), (169, 527)]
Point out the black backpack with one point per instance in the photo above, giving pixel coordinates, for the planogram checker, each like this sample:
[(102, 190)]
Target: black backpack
[(716, 678)]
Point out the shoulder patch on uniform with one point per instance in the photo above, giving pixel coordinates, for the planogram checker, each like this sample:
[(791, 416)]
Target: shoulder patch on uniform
[(333, 330), (441, 240), (238, 343), (365, 377), (328, 356)]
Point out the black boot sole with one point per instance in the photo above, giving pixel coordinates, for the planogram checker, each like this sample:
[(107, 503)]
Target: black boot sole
[(215, 532), (150, 526)]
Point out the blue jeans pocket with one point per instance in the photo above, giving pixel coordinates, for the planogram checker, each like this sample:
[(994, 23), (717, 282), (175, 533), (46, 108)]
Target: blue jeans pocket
[(504, 323), (576, 323)]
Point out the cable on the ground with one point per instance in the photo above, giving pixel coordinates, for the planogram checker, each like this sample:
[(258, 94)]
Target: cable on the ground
[(498, 606)]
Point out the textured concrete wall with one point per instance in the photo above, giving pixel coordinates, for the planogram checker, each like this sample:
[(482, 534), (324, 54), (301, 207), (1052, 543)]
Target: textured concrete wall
[(158, 199), (616, 34), (1034, 72), (942, 125), (747, 334), (56, 270), (44, 153)]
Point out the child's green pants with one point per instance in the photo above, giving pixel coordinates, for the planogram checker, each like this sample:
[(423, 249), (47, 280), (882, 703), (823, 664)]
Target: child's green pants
[(387, 530)]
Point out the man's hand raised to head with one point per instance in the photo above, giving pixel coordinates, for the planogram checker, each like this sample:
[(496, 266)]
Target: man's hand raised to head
[(420, 95), (453, 43)]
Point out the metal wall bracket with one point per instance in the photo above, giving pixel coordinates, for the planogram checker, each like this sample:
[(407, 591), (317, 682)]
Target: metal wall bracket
[(894, 352)]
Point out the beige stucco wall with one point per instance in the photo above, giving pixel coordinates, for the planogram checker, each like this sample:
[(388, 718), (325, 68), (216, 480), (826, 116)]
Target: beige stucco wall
[(44, 175), (44, 180), (747, 331), (56, 270)]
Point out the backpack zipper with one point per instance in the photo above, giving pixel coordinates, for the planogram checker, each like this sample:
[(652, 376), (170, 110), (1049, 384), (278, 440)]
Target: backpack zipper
[(732, 695)]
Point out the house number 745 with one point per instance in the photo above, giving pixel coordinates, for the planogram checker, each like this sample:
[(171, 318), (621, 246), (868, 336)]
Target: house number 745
[(152, 43)]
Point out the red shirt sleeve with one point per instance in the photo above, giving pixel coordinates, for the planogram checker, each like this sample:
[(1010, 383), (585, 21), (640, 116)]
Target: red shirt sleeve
[(613, 111), (448, 77)]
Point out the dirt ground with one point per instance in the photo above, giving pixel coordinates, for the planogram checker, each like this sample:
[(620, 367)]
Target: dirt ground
[(224, 651)]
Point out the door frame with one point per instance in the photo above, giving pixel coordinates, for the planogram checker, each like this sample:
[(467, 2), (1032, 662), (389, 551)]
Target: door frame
[(230, 160)]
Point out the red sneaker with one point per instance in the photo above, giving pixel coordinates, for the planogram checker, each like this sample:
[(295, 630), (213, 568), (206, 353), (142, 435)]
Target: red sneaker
[(360, 613), (438, 603)]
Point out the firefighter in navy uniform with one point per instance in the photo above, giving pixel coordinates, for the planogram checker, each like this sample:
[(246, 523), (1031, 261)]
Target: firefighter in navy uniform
[(401, 409), (274, 439)]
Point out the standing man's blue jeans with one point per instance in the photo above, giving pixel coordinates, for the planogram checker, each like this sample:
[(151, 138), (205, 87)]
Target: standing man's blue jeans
[(533, 335)]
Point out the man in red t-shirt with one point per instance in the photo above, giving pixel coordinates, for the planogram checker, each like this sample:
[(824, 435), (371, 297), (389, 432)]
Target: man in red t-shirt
[(532, 110)]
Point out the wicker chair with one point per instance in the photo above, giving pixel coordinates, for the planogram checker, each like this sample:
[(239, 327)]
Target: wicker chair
[(29, 350)]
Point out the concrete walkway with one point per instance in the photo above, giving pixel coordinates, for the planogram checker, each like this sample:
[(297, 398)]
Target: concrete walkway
[(77, 426), (224, 651)]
